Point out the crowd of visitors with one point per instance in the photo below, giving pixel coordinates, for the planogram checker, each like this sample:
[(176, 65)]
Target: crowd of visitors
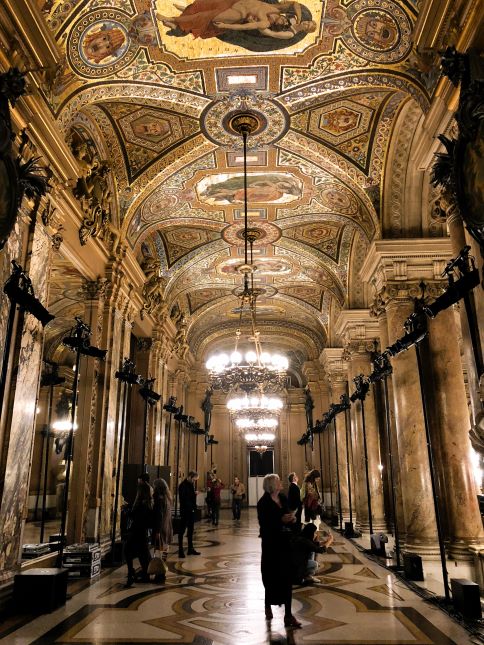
[(289, 545)]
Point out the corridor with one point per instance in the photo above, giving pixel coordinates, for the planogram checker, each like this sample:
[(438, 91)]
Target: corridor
[(217, 599)]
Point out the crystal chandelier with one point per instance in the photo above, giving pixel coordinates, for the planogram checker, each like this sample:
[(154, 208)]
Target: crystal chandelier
[(247, 423), (255, 370), (255, 406)]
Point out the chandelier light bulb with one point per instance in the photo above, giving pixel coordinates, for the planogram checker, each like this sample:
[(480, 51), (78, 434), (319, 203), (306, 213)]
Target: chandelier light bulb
[(236, 358), (251, 357), (260, 436)]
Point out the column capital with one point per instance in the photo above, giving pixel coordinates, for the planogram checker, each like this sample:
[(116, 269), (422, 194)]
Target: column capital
[(358, 330), (312, 371), (335, 364), (94, 289), (408, 260)]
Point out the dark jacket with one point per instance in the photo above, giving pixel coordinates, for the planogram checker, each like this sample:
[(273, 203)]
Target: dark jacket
[(294, 497), (301, 549), (188, 498), (275, 561)]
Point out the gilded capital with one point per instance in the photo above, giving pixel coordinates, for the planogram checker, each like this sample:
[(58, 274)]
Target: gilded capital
[(94, 289)]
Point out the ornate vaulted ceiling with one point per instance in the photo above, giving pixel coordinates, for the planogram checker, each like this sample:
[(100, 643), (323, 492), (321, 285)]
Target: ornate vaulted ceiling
[(155, 101)]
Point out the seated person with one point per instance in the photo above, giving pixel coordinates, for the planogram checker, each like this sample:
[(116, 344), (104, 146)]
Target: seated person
[(303, 553)]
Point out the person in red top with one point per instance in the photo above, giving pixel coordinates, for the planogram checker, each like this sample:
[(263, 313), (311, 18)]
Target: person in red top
[(216, 488)]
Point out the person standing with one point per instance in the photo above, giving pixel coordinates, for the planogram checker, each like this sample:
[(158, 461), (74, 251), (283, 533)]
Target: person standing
[(139, 521), (216, 489), (310, 496), (294, 500), (162, 524), (274, 521), (238, 495), (188, 507)]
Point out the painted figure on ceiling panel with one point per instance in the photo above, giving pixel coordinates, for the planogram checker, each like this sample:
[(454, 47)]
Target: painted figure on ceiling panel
[(103, 43), (276, 188), (209, 18), (254, 25)]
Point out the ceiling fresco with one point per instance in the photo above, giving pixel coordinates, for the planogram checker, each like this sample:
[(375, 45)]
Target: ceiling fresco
[(155, 85)]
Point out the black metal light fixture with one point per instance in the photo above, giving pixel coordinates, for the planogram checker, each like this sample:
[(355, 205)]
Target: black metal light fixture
[(171, 408), (126, 375), (198, 431), (150, 398), (180, 418), (49, 379), (333, 408), (77, 341), (362, 386), (382, 369), (19, 290)]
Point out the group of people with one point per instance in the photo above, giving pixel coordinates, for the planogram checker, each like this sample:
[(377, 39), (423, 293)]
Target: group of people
[(289, 546), (213, 498), (288, 549), (151, 510)]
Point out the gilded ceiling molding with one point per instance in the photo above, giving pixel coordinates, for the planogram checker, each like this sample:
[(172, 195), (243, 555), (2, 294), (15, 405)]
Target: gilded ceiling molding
[(312, 157), (316, 213), (338, 269), (183, 281), (356, 288), (334, 88), (198, 152), (336, 285), (150, 95), (397, 167)]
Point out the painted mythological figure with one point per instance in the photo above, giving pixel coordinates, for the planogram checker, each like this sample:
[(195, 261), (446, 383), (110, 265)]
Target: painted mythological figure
[(211, 18)]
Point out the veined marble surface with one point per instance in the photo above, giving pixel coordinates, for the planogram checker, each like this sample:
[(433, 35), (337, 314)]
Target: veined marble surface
[(216, 598)]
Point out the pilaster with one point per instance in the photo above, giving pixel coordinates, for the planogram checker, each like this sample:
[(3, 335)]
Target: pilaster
[(360, 334)]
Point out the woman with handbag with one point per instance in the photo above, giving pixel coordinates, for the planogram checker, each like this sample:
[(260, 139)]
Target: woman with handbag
[(310, 495), (162, 528)]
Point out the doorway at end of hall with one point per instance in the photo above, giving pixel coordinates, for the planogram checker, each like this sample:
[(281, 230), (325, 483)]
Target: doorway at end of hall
[(259, 465)]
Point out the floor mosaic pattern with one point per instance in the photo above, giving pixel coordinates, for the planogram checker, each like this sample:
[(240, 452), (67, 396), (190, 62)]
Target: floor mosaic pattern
[(217, 599)]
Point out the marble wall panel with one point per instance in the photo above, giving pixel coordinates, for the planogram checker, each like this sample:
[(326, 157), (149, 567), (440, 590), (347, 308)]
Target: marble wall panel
[(21, 431)]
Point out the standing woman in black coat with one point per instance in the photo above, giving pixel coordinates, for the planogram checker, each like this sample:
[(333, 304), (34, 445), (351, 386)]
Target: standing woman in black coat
[(140, 519), (275, 518)]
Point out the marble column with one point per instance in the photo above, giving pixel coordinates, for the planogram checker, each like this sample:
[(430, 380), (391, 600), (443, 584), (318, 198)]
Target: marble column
[(84, 504), (397, 512), (421, 532), (338, 388), (458, 240), (451, 424), (359, 363)]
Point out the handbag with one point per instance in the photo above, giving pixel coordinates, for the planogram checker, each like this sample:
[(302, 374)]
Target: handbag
[(156, 565)]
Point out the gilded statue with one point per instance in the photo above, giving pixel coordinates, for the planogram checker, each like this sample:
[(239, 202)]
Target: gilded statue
[(180, 345), (92, 190), (153, 288)]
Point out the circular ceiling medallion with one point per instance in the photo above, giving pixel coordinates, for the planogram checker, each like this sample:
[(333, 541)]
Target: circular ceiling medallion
[(380, 33), (339, 199), (100, 44), (261, 291), (263, 233), (219, 117)]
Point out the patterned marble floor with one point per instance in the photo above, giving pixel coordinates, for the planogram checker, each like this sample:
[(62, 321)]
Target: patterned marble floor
[(217, 599)]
